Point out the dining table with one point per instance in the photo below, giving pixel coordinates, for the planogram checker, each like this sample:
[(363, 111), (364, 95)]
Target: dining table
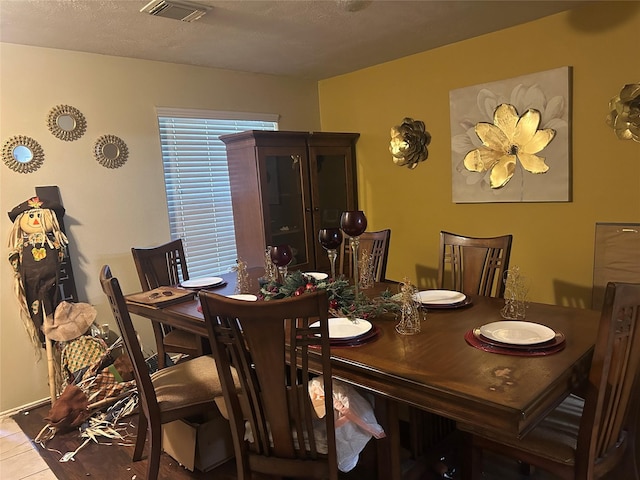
[(439, 370)]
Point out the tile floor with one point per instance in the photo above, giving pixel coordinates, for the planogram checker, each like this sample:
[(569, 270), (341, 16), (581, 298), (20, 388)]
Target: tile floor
[(18, 459)]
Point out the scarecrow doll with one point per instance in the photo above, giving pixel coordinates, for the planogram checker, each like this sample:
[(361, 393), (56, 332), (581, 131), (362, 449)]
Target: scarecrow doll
[(36, 249)]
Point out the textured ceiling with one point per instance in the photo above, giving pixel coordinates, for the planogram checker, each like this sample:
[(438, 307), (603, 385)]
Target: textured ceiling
[(308, 39)]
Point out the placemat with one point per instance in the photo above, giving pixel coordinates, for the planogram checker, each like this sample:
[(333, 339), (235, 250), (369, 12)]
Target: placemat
[(370, 336), (471, 339), (554, 342), (433, 306)]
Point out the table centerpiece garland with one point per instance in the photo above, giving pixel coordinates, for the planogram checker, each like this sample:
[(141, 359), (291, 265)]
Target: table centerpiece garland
[(341, 295)]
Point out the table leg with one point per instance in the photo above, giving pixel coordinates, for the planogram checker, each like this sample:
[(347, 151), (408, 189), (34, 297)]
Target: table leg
[(388, 448)]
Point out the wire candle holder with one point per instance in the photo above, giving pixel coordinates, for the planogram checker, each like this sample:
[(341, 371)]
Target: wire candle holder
[(410, 316), (515, 295), (366, 270), (270, 271), (242, 277)]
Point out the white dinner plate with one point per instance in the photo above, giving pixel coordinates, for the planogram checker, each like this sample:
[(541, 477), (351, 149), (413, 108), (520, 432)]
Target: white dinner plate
[(202, 282), (244, 296), (439, 297), (344, 328), (517, 333), (317, 275)]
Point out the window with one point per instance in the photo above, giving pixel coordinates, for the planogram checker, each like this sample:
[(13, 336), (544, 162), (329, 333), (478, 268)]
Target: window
[(197, 182)]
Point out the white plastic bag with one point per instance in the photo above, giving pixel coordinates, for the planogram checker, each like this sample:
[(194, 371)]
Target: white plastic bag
[(355, 421)]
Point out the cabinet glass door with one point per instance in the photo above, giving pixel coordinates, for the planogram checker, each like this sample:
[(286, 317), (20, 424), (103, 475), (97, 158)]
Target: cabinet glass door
[(333, 192), (332, 189), (286, 204)]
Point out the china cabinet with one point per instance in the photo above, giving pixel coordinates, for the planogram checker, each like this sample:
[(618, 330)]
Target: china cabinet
[(285, 187)]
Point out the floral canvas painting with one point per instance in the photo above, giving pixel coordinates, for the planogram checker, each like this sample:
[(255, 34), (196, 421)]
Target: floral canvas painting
[(510, 139)]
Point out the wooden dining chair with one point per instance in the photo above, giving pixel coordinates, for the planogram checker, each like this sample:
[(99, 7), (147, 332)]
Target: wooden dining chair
[(375, 244), (159, 266), (584, 439), (254, 341), (474, 266), (179, 391)]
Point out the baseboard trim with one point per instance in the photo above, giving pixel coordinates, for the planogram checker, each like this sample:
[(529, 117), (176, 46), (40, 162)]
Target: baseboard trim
[(22, 408)]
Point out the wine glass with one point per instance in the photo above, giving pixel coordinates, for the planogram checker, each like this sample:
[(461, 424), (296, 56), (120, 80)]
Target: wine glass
[(331, 239), (281, 256), (354, 223)]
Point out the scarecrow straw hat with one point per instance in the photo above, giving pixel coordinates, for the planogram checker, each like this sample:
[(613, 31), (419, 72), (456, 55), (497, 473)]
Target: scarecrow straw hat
[(70, 321)]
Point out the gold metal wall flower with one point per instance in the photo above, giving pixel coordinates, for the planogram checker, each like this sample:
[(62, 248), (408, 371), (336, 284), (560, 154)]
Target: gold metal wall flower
[(624, 113), (509, 139), (409, 142)]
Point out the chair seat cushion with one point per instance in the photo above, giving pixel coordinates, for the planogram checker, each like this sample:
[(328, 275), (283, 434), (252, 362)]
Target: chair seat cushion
[(181, 339), (554, 438), (187, 383)]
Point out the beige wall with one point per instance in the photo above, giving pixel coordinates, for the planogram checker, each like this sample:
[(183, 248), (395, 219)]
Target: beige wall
[(108, 211), (553, 242)]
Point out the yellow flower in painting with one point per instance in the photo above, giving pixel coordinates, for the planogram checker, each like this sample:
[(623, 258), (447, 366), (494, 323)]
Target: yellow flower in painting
[(509, 139), (38, 253)]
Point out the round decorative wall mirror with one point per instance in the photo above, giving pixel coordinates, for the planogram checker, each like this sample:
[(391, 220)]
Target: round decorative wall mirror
[(66, 122), (110, 151), (22, 154)]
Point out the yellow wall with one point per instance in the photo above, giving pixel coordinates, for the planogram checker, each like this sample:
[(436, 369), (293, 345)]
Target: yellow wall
[(553, 242), (108, 211)]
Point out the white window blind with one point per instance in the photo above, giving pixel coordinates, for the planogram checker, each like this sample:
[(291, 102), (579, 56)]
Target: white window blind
[(197, 182)]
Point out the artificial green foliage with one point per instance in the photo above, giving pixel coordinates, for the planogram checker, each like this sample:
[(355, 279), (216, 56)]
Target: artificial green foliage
[(340, 292)]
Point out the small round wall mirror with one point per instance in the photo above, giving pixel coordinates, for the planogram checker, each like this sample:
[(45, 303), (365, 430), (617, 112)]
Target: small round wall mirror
[(110, 151), (66, 122), (22, 154)]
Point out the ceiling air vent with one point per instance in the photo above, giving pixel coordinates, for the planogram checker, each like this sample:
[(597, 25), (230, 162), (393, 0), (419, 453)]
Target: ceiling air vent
[(185, 11)]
